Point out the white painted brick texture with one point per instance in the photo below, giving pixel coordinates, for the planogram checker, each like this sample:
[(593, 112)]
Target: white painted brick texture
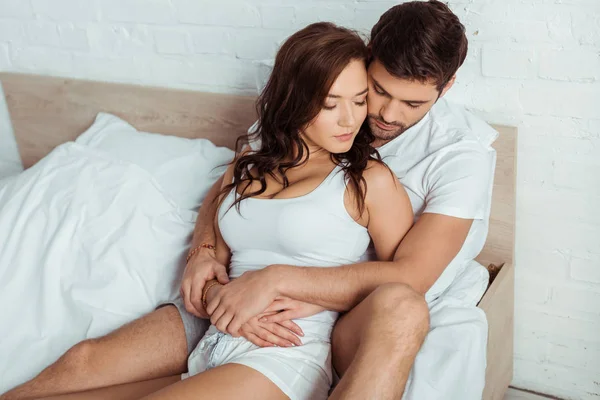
[(534, 64)]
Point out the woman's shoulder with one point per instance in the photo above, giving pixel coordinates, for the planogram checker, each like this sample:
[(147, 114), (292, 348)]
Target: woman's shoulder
[(385, 194), (379, 176)]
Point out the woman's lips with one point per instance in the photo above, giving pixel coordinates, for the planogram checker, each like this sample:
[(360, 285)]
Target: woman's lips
[(345, 137)]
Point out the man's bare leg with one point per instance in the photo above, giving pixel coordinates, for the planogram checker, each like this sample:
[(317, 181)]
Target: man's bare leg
[(153, 346), (375, 344), (126, 391)]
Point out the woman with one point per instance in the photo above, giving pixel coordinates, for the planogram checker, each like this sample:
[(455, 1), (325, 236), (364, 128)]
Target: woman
[(308, 192)]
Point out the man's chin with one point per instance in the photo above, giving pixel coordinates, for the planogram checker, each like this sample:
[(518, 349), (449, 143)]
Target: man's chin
[(382, 134)]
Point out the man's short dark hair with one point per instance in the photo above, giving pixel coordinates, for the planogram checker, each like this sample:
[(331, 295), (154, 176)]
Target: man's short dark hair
[(423, 41)]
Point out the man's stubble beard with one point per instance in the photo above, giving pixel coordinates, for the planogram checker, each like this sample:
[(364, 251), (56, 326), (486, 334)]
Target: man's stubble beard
[(383, 136)]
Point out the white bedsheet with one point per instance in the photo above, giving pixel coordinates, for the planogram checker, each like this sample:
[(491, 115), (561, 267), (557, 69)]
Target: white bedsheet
[(86, 244), (451, 364)]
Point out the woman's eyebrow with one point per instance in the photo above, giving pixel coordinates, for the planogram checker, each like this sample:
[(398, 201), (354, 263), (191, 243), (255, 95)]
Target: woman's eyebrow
[(335, 96)]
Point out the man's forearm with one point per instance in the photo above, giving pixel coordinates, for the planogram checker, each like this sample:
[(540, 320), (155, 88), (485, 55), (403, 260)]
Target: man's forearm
[(204, 231), (342, 288), (428, 248)]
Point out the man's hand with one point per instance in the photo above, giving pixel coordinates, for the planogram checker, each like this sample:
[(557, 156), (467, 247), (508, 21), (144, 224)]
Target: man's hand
[(285, 309), (201, 268), (240, 300)]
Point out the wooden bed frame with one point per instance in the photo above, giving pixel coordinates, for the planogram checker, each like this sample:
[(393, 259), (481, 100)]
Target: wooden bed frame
[(47, 111)]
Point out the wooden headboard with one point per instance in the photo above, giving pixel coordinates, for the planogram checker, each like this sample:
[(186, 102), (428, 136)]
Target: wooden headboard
[(47, 111)]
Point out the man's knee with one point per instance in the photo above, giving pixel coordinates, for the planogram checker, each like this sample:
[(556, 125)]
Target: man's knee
[(79, 357), (400, 306)]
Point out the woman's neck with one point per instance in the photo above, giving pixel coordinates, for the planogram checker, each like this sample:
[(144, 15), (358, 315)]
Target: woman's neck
[(315, 152)]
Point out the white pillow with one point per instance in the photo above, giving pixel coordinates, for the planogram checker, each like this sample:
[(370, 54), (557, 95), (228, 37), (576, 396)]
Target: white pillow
[(9, 168), (185, 168), (262, 72)]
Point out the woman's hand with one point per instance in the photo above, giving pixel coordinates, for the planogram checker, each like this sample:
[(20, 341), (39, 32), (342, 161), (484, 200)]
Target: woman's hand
[(264, 334), (269, 334), (212, 292), (243, 298), (201, 268), (285, 309)]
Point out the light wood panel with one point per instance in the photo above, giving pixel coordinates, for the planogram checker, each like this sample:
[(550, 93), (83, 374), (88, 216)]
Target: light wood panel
[(500, 244), (498, 305), (498, 301), (48, 111)]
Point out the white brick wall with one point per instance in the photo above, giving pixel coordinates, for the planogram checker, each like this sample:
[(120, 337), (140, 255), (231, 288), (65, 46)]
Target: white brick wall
[(534, 64)]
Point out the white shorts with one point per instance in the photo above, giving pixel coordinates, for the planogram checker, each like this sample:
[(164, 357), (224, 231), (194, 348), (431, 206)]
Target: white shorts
[(301, 372)]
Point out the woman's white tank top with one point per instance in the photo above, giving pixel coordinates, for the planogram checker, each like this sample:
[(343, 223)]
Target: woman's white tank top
[(311, 230)]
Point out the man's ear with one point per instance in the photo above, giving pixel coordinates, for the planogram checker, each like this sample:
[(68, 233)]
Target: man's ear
[(448, 85)]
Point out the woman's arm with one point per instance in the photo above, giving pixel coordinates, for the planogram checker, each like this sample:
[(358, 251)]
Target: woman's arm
[(390, 214), (202, 265), (204, 229), (206, 264), (388, 217), (223, 253)]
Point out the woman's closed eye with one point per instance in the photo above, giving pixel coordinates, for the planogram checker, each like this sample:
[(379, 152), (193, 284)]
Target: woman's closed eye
[(333, 106)]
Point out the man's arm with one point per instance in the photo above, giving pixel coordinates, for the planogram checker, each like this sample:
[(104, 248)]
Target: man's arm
[(430, 245), (456, 196)]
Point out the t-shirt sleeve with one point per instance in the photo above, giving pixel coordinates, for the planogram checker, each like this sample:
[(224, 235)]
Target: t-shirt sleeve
[(460, 184)]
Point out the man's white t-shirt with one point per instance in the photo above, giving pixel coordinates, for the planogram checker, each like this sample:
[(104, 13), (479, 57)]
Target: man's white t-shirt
[(446, 164)]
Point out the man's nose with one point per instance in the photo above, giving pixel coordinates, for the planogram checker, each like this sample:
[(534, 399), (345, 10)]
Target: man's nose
[(390, 112)]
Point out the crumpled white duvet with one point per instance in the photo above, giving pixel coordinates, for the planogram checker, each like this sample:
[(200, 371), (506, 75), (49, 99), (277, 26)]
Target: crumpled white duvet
[(86, 244)]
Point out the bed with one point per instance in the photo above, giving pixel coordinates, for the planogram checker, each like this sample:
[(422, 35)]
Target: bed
[(48, 111)]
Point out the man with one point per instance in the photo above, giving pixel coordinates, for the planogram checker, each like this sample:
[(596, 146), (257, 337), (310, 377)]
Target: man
[(447, 170)]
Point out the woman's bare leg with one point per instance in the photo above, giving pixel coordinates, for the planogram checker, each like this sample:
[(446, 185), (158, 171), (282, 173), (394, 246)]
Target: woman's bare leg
[(229, 381)]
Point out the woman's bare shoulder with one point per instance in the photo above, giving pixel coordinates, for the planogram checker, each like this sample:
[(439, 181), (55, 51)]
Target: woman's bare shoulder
[(379, 177)]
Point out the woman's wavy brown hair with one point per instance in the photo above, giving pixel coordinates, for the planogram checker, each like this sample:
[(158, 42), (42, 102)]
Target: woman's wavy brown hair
[(306, 66)]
